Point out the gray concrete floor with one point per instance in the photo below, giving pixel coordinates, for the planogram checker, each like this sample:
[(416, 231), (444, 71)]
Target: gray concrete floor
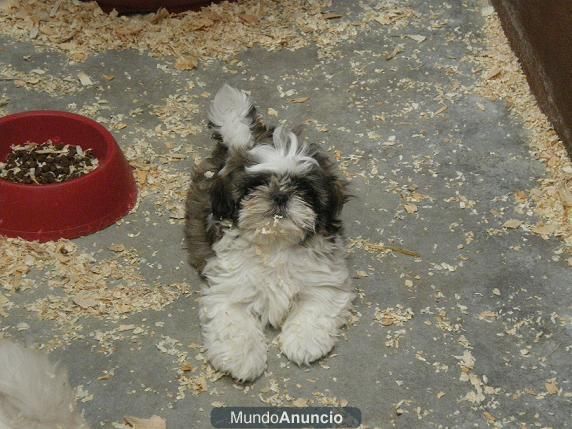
[(500, 295)]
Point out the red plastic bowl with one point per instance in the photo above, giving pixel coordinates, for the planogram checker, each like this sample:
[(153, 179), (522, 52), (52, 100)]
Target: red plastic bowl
[(70, 209)]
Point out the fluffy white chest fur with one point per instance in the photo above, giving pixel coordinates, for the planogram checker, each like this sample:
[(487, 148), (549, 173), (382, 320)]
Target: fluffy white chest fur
[(304, 289), (269, 278)]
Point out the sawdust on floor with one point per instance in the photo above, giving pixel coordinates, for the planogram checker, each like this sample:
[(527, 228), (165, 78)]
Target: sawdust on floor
[(503, 79)]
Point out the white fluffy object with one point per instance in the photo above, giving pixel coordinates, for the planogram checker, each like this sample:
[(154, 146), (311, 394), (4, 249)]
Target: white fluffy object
[(35, 393), (305, 290), (229, 113), (286, 155)]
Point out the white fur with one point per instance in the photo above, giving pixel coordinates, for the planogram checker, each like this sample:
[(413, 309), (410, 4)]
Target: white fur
[(229, 113), (34, 393), (304, 289), (286, 155)]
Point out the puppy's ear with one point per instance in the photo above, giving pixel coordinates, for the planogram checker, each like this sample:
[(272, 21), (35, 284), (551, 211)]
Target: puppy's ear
[(338, 194), (223, 205), (337, 189)]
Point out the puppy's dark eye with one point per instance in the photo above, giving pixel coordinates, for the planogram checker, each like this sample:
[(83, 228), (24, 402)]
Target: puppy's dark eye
[(307, 189), (253, 182), (304, 186)]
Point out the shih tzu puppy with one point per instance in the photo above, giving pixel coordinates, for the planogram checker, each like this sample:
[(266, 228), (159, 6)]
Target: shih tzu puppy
[(263, 229), (35, 393)]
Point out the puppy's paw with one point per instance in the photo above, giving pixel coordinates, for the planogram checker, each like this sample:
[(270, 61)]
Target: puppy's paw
[(305, 344), (243, 355), (247, 367)]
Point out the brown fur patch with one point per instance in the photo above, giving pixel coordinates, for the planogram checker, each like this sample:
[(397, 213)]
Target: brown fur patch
[(199, 206)]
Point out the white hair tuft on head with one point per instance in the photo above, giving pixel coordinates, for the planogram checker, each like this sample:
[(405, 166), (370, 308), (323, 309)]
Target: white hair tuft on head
[(286, 155)]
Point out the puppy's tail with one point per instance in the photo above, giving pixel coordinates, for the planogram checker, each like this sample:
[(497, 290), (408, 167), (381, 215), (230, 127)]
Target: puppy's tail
[(232, 115), (34, 393)]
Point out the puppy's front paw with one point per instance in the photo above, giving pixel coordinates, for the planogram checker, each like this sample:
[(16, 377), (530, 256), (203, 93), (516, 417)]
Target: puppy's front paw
[(305, 344), (248, 366), (242, 355)]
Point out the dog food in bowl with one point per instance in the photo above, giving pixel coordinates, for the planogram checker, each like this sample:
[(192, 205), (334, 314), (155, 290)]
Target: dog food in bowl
[(46, 163)]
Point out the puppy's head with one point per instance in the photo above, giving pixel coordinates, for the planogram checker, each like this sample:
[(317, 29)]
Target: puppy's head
[(280, 192)]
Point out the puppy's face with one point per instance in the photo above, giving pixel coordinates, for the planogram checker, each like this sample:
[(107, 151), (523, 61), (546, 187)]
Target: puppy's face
[(278, 207), (279, 194)]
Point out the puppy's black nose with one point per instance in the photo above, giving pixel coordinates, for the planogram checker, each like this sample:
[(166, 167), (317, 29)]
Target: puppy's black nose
[(280, 198)]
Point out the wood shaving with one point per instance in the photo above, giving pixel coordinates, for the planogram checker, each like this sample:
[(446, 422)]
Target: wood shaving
[(332, 15), (4, 305), (488, 315), (503, 79), (110, 288), (391, 14), (410, 208), (489, 417), (299, 100), (176, 115), (390, 55), (552, 387), (325, 400), (392, 339), (467, 364), (220, 31), (195, 378), (379, 248), (187, 63), (155, 422), (84, 79), (512, 223), (393, 315), (417, 37), (38, 80)]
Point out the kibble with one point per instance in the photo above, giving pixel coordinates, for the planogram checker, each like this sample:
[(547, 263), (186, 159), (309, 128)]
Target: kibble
[(46, 163)]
